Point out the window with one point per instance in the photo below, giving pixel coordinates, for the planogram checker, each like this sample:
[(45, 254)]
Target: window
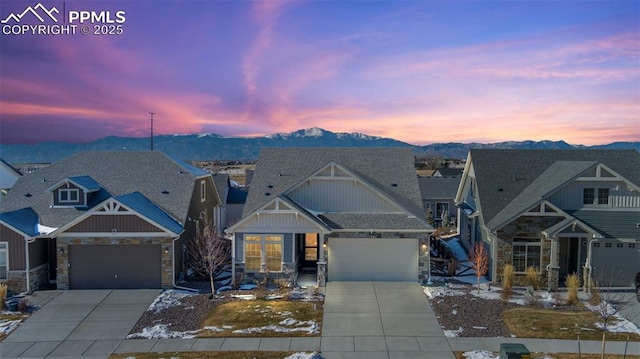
[(4, 258), (596, 245), (603, 196), (263, 250), (588, 196), (632, 245), (619, 245), (526, 253), (203, 191), (607, 245), (442, 209), (311, 247), (68, 195)]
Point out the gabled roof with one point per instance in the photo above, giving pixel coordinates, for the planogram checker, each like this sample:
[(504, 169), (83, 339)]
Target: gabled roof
[(388, 171), (139, 203), (23, 220), (448, 172), (85, 182), (504, 175), (166, 182), (438, 187)]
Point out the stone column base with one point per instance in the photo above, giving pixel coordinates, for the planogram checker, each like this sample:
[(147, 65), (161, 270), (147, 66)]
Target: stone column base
[(322, 274)]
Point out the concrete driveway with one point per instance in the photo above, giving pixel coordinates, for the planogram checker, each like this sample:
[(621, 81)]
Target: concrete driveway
[(78, 322), (380, 320)]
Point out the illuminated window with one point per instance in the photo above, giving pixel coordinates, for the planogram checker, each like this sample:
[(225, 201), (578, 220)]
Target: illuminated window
[(263, 250), (311, 247)]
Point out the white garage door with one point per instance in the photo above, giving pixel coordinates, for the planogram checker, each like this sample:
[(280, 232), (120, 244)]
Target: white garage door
[(373, 259)]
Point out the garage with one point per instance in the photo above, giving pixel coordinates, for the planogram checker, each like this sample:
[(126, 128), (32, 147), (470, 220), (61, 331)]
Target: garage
[(615, 262), (373, 259), (115, 266)]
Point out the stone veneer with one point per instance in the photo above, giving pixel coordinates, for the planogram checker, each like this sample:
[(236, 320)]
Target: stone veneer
[(62, 251), (38, 278), (527, 227)]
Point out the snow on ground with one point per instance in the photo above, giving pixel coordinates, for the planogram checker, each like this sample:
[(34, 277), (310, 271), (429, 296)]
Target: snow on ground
[(484, 354), (167, 299), (7, 326), (300, 355)]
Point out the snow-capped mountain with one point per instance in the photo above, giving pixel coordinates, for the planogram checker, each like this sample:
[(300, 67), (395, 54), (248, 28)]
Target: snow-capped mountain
[(209, 146)]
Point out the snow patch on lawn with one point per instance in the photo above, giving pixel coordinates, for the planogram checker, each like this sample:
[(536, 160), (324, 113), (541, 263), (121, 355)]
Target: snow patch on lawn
[(292, 325), (168, 299), (162, 331), (313, 355), (480, 354), (453, 333), (7, 326)]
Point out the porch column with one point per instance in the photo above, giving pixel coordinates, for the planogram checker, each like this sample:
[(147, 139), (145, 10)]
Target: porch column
[(553, 269), (322, 262)]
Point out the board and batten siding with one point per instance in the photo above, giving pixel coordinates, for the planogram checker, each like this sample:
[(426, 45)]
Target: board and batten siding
[(570, 197), (327, 195), (276, 222), (108, 223), (15, 241), (287, 245)]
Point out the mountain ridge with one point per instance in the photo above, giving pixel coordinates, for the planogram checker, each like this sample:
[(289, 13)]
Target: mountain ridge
[(209, 146)]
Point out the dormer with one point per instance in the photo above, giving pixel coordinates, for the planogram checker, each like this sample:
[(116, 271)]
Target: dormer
[(73, 191)]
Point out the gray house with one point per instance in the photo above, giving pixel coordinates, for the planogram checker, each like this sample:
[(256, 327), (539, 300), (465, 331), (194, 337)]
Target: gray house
[(559, 211), (102, 220), (438, 195), (343, 213)]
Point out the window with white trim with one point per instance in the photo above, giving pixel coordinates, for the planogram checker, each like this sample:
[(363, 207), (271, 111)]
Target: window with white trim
[(526, 253), (203, 191), (4, 260), (263, 252), (595, 196), (68, 195)]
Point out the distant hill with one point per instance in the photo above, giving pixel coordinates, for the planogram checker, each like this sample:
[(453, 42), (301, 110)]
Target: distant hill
[(212, 146)]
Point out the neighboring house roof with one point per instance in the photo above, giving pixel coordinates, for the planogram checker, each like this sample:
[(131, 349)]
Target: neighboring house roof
[(221, 181), (248, 177), (448, 172), (504, 175), (10, 168), (139, 203), (438, 187), (390, 171), (166, 182), (237, 196), (24, 220)]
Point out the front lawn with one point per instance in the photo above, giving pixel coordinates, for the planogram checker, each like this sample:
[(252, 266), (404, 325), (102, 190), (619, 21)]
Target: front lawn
[(274, 318), (528, 322)]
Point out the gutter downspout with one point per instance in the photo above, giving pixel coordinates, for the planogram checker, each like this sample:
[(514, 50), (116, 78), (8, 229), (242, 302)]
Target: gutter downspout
[(587, 265), (173, 268)]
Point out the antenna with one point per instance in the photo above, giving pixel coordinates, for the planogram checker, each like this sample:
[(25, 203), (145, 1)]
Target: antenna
[(151, 119)]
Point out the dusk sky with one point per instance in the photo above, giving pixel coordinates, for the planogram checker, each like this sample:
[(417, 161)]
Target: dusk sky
[(417, 71)]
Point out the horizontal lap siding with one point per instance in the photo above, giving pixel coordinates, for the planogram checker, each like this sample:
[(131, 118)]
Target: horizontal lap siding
[(16, 248), (107, 223)]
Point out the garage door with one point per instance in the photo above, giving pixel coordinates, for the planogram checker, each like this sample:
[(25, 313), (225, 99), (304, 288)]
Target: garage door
[(115, 266), (373, 259), (615, 263)]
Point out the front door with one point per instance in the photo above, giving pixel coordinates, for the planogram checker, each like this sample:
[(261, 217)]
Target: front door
[(310, 251)]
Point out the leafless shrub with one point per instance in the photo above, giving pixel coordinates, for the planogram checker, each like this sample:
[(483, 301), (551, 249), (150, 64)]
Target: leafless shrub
[(611, 302), (209, 252), (479, 258)]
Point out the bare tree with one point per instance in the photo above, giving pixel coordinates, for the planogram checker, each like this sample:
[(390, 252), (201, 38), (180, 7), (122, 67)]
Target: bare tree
[(479, 258), (609, 304), (209, 252)]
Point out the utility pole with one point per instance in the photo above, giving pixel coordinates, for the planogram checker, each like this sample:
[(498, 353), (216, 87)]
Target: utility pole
[(151, 119)]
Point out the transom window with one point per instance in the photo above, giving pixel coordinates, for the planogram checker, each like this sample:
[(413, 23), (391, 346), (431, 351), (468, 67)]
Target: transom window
[(526, 253), (263, 252), (68, 195), (4, 260)]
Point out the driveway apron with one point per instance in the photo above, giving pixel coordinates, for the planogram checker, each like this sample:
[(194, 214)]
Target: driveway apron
[(78, 322), (380, 320)]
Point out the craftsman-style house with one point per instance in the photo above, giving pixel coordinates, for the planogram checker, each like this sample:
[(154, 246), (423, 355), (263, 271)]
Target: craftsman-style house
[(103, 220), (559, 211)]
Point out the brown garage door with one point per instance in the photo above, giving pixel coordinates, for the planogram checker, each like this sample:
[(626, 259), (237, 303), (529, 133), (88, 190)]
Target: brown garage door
[(115, 266)]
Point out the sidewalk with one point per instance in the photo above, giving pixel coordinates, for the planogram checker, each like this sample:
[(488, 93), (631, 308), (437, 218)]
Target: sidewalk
[(103, 348)]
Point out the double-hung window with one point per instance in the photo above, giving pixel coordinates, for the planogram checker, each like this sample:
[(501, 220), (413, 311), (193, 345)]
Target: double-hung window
[(263, 252), (4, 260), (526, 253)]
